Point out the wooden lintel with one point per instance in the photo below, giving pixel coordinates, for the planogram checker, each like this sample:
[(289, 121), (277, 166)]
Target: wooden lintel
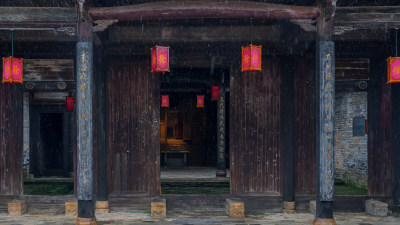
[(32, 15), (179, 34), (204, 9)]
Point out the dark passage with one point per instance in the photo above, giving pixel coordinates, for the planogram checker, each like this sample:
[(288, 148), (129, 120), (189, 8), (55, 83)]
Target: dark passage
[(51, 132)]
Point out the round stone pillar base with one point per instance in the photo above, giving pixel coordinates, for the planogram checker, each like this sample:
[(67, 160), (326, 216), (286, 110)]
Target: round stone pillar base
[(85, 221), (319, 221), (289, 207)]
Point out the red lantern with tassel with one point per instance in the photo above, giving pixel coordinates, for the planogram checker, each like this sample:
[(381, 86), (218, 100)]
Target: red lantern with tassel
[(12, 70), (159, 59), (200, 101), (164, 101), (251, 58), (69, 102), (215, 93), (393, 64)]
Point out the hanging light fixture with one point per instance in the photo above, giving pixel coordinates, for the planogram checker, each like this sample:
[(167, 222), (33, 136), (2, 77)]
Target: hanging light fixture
[(159, 56), (393, 66), (251, 55), (12, 67), (69, 102)]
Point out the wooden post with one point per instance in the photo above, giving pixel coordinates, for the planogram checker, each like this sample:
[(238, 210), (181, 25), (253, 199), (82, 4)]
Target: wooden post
[(287, 121), (101, 99), (325, 83), (221, 161), (84, 95), (396, 144)]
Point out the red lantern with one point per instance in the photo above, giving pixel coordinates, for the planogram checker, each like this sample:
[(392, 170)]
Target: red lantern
[(215, 93), (251, 58), (159, 59), (70, 104), (164, 101), (12, 70), (393, 69), (200, 101)]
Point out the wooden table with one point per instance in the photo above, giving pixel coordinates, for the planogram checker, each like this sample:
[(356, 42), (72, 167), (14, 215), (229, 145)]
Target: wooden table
[(175, 152)]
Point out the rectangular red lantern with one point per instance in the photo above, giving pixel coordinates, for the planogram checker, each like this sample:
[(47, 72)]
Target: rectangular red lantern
[(159, 59), (215, 93), (70, 104), (164, 101), (393, 69), (12, 70), (251, 58), (200, 101)]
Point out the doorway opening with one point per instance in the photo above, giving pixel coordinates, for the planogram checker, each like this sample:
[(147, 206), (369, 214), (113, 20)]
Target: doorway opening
[(188, 135)]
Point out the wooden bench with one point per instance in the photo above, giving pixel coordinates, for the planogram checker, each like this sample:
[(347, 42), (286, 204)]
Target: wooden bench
[(175, 152)]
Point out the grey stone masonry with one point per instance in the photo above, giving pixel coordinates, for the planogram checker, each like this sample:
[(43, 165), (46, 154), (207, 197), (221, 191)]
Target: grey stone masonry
[(26, 134), (351, 152), (376, 208)]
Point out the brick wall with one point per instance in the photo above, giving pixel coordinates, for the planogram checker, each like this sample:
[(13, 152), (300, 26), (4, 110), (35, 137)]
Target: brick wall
[(351, 152)]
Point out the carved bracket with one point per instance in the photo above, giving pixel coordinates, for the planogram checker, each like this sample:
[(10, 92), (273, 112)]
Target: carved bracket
[(102, 25), (308, 25), (70, 31)]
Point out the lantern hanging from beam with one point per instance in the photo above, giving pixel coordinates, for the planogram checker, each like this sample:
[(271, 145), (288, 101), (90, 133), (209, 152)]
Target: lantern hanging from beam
[(215, 93), (200, 101), (393, 64), (251, 58), (69, 103), (12, 70), (159, 59), (164, 101)]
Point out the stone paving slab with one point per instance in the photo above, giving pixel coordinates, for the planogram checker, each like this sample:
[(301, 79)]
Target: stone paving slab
[(144, 218)]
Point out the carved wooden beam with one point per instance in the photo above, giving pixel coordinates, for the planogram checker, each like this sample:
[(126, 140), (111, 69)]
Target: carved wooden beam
[(204, 9)]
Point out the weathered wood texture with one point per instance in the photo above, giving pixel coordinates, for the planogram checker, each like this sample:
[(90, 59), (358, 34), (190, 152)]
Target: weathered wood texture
[(48, 70), (352, 69), (255, 138), (133, 128), (58, 15), (380, 153), (204, 9), (304, 128), (10, 140)]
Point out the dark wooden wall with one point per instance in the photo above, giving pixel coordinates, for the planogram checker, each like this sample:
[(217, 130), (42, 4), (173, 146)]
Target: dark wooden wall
[(304, 127), (380, 153), (133, 128), (11, 139), (255, 140)]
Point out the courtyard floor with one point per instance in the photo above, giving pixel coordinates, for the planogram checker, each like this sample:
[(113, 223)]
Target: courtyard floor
[(144, 218)]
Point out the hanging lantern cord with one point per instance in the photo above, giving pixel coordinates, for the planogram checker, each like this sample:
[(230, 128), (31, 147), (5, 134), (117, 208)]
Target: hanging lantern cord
[(159, 32), (397, 33), (251, 31), (12, 43)]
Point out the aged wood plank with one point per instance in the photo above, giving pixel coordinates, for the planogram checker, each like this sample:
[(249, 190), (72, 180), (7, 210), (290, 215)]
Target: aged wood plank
[(203, 9), (32, 15), (49, 70)]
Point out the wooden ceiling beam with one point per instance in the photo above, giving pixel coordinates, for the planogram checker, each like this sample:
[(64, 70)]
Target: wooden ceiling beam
[(204, 9)]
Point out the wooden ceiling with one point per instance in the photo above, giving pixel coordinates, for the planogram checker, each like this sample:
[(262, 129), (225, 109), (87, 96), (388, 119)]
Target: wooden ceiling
[(108, 3)]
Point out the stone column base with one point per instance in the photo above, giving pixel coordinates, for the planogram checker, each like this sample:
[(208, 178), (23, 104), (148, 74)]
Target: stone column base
[(319, 221), (289, 207), (85, 221), (221, 173), (102, 207)]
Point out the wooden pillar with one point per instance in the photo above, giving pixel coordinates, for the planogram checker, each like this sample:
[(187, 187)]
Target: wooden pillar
[(101, 101), (221, 161), (287, 122), (396, 142), (325, 84), (84, 97)]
